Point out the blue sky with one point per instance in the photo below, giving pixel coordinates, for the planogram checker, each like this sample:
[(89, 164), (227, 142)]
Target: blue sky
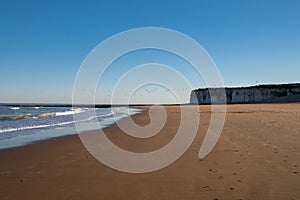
[(43, 43)]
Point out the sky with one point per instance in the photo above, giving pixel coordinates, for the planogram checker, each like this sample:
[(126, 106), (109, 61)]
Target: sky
[(43, 44)]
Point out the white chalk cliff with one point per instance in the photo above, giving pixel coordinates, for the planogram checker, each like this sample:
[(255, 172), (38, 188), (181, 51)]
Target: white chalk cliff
[(254, 94)]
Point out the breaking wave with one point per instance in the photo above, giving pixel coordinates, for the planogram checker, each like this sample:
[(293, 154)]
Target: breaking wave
[(43, 115), (34, 127), (14, 108)]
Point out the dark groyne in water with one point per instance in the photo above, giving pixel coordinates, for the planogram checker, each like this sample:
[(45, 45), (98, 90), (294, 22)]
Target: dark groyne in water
[(283, 93)]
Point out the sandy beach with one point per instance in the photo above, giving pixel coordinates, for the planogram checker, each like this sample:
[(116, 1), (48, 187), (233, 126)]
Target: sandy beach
[(256, 157)]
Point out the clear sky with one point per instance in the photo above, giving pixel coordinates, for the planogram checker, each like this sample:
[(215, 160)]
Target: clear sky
[(43, 43)]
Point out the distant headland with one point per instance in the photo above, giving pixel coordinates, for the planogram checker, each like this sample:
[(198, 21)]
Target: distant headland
[(271, 93)]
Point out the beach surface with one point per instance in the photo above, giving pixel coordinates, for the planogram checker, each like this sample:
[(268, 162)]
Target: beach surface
[(256, 157)]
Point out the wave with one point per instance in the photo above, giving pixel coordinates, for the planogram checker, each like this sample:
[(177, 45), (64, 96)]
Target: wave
[(113, 114), (43, 115), (45, 125), (34, 127), (16, 117), (14, 108), (36, 107), (106, 115), (70, 112)]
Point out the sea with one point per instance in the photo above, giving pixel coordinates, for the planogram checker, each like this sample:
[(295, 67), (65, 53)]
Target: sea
[(24, 125)]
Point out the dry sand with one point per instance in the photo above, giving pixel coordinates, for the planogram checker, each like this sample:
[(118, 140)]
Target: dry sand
[(256, 157)]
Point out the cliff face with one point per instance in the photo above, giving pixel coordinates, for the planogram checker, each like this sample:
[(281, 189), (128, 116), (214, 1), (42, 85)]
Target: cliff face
[(254, 94)]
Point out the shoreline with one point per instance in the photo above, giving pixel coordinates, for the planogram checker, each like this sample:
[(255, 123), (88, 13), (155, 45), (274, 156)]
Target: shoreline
[(16, 136), (142, 107), (256, 157)]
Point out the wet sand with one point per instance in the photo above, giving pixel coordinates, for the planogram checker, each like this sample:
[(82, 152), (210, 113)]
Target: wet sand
[(256, 157)]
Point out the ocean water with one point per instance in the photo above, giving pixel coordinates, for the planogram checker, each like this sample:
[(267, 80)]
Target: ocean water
[(24, 125)]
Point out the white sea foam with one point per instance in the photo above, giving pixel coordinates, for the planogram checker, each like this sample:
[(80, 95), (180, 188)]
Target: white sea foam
[(41, 126), (18, 133), (107, 115), (70, 112), (42, 115), (33, 127), (73, 111), (36, 107), (14, 108)]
